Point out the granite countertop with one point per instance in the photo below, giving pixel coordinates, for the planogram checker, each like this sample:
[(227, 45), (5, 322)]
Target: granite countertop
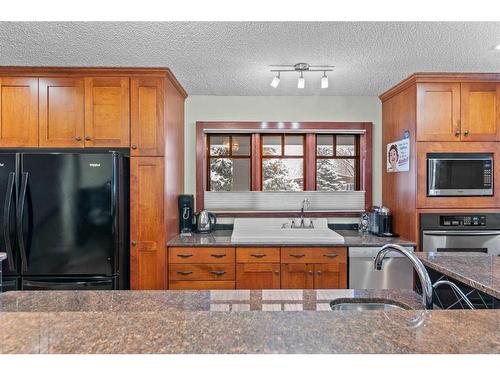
[(3, 256), (479, 271), (236, 321), (223, 238)]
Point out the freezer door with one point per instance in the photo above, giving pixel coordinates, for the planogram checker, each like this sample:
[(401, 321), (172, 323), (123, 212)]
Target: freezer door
[(8, 212), (68, 213)]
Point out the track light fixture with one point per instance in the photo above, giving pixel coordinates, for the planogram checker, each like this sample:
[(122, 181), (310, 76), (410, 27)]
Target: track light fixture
[(301, 68)]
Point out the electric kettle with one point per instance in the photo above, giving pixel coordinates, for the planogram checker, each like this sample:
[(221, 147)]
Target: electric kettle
[(205, 221)]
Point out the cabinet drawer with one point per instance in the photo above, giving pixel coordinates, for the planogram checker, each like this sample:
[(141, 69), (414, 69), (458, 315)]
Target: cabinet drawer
[(202, 285), (209, 272), (313, 254), (257, 254), (201, 255)]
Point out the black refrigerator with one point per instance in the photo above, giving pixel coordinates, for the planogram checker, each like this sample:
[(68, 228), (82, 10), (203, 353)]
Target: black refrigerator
[(64, 220)]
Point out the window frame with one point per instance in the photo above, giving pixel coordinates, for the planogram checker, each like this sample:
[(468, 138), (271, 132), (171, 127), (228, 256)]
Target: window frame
[(309, 130), (209, 157), (282, 156), (356, 158)]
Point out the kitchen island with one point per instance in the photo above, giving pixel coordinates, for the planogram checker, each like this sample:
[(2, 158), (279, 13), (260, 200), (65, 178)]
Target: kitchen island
[(236, 321), (476, 270)]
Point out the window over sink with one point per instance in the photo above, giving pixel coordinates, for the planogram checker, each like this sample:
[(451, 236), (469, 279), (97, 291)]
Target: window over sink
[(283, 157)]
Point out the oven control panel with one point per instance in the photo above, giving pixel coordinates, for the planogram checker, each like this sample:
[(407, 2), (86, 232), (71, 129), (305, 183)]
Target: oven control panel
[(463, 221)]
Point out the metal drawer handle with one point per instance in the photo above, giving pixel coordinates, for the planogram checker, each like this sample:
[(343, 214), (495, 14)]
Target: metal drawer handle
[(297, 255), (310, 272), (330, 255), (218, 273), (184, 273), (258, 255), (184, 255), (318, 273), (218, 255)]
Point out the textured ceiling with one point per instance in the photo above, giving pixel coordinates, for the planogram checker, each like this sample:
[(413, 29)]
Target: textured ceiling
[(217, 58)]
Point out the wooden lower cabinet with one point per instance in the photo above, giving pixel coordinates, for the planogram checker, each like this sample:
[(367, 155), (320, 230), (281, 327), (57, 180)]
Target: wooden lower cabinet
[(330, 276), (297, 276), (258, 276), (257, 267)]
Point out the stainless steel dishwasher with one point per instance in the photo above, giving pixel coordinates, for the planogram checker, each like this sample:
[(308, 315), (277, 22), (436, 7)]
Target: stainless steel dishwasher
[(396, 274)]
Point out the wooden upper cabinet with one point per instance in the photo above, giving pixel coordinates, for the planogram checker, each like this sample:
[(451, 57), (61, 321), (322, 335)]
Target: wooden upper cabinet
[(480, 111), (438, 111), (107, 112), (18, 112), (61, 106), (147, 237), (147, 117)]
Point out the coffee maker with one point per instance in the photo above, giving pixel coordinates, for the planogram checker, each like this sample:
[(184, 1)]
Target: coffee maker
[(380, 222), (186, 211)]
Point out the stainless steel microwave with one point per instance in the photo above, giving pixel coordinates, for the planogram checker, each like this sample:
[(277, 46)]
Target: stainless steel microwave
[(459, 174)]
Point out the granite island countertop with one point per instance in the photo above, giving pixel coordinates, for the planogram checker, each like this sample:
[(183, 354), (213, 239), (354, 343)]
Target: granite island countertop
[(235, 321), (479, 271), (223, 238)]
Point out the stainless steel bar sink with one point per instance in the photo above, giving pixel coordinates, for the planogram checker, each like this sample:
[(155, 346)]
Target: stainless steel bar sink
[(364, 306)]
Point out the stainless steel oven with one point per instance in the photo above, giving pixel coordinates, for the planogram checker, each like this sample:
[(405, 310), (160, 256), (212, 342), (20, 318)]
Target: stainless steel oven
[(452, 232), (459, 174)]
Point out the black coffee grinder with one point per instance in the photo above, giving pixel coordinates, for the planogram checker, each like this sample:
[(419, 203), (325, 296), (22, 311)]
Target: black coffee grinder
[(186, 211)]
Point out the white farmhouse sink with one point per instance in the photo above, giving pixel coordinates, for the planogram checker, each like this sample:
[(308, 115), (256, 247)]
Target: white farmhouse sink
[(272, 231)]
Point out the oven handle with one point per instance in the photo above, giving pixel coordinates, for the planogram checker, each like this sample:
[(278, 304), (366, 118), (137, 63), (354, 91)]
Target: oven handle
[(462, 233)]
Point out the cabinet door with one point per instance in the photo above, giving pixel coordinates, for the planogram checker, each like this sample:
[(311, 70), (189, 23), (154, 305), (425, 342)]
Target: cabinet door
[(147, 251), (480, 111), (107, 112), (438, 112), (147, 115), (18, 112), (330, 276), (297, 276), (258, 276), (61, 112)]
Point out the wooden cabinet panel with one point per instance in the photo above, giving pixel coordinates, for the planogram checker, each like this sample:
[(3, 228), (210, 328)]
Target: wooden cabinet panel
[(297, 276), (61, 104), (146, 223), (207, 272), (258, 276), (438, 112), (424, 201), (313, 254), (201, 285), (201, 255), (258, 254), (18, 112), (147, 117), (107, 112), (330, 276), (480, 111)]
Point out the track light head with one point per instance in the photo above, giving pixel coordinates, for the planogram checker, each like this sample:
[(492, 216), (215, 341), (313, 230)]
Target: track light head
[(301, 83), (276, 81), (324, 81)]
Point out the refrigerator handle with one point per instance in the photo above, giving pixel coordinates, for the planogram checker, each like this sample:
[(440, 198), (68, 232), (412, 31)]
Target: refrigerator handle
[(19, 220), (6, 220)]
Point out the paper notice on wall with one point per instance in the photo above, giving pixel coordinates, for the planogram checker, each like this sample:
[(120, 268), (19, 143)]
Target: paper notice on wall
[(398, 156)]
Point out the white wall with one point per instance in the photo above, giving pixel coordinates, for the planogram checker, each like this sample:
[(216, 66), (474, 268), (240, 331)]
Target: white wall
[(282, 108)]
